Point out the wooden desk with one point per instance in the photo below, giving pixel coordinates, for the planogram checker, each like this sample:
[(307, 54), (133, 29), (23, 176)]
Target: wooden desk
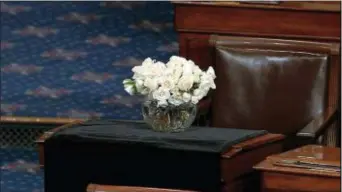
[(276, 178), (236, 164), (311, 21)]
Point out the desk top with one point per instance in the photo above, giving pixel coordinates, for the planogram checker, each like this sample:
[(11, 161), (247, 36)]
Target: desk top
[(331, 6), (309, 154)]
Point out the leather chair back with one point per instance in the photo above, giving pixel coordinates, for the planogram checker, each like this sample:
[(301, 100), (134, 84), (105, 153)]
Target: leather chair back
[(272, 84)]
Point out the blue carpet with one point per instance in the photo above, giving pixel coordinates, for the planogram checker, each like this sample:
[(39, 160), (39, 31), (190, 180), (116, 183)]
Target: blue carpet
[(68, 59), (19, 171)]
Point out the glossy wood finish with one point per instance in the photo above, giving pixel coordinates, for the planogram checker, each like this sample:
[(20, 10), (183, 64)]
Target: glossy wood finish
[(40, 141), (329, 6), (314, 153), (111, 188), (305, 21), (242, 21), (237, 164), (281, 178), (195, 21)]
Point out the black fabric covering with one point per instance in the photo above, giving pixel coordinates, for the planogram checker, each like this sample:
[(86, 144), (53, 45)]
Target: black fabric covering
[(129, 153)]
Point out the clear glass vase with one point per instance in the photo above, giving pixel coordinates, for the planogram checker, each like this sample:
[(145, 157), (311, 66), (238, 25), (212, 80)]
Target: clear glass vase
[(169, 118)]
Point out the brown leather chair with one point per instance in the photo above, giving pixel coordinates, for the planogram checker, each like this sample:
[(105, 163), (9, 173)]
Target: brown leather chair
[(112, 188), (283, 86)]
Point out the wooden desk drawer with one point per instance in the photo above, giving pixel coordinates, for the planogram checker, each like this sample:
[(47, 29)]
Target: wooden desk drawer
[(274, 182)]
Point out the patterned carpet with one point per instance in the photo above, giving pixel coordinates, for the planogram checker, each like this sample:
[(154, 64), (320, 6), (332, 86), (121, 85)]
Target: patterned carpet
[(19, 171), (68, 59)]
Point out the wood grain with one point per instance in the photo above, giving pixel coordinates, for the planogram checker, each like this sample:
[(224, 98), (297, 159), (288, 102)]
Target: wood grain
[(279, 178)]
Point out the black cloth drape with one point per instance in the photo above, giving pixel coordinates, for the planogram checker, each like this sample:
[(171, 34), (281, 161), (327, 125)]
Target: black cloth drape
[(129, 153)]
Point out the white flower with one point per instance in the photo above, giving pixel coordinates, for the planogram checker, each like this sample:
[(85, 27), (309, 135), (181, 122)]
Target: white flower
[(171, 83), (197, 70), (147, 62), (185, 82), (211, 72), (151, 84), (129, 86), (188, 68), (175, 101), (127, 81), (157, 69), (138, 71), (174, 65), (186, 97), (195, 99), (139, 84), (161, 94), (176, 97), (144, 91), (177, 73), (175, 92), (197, 74), (167, 82), (162, 103), (130, 89), (149, 68), (177, 59), (200, 92), (207, 81), (174, 69)]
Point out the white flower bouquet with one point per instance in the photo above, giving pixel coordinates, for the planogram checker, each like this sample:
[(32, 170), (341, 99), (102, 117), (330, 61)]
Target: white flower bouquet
[(172, 89)]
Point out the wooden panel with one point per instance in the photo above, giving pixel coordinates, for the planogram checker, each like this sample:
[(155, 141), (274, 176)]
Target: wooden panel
[(298, 183), (251, 22), (333, 96), (232, 167), (196, 48), (327, 6), (332, 159)]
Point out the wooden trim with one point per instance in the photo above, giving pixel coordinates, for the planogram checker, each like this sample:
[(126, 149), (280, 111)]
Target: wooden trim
[(253, 143), (247, 22), (283, 5), (40, 141), (262, 35), (275, 181), (38, 120), (311, 46)]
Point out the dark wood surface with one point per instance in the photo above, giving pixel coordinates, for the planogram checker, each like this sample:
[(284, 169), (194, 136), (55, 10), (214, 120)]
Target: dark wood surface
[(276, 178), (328, 6), (196, 21), (235, 174), (40, 141)]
